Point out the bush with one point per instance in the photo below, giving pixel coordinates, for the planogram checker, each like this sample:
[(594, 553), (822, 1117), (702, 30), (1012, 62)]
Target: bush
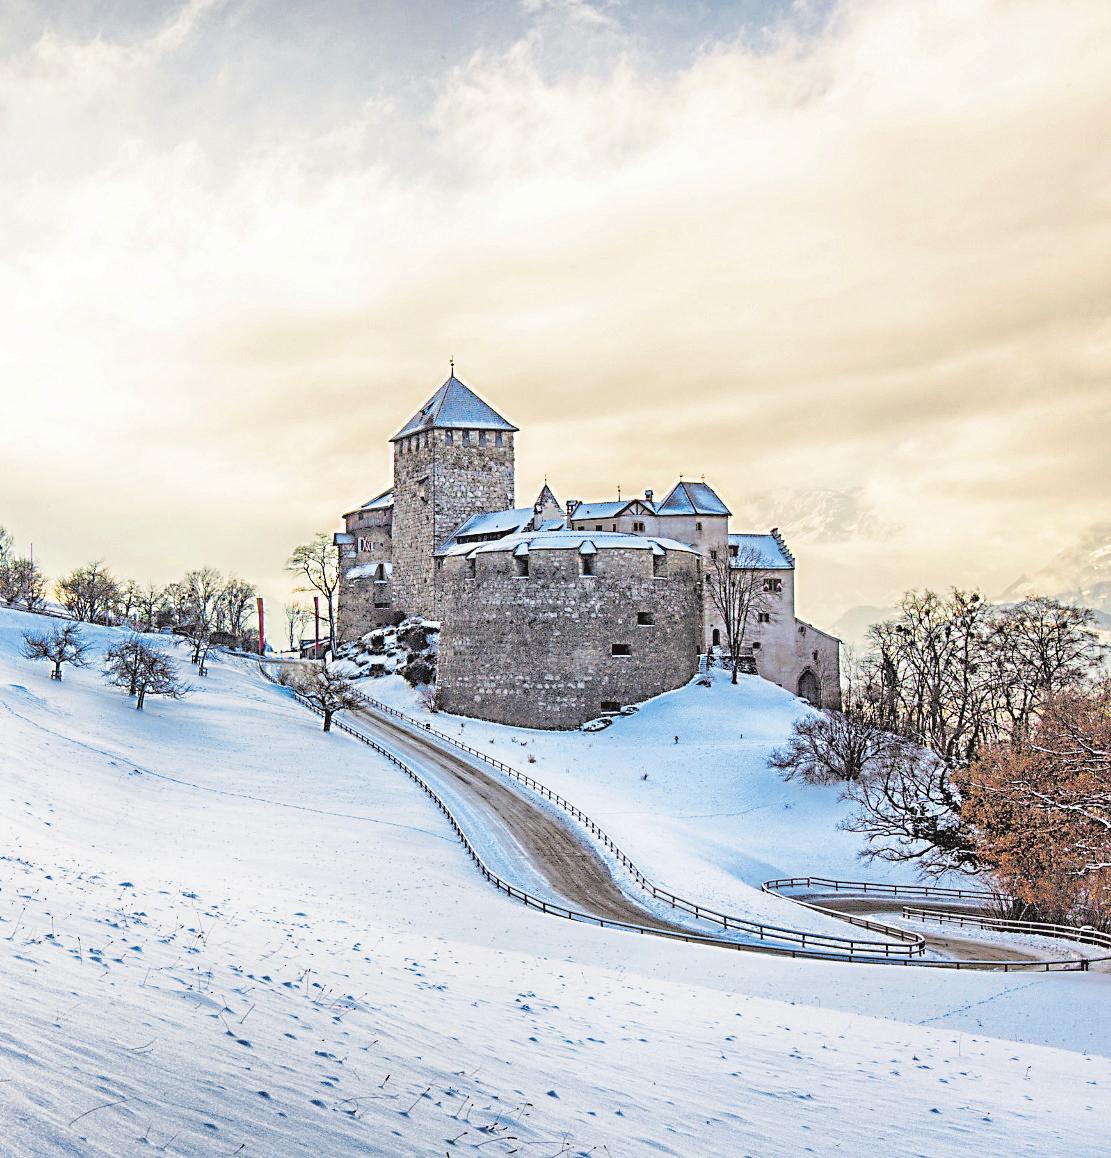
[(418, 671), (831, 747)]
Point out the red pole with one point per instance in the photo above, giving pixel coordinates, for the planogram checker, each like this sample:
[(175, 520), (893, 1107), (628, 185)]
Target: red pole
[(316, 612), (261, 627)]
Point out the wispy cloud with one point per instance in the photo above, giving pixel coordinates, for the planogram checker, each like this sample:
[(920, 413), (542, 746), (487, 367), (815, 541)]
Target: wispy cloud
[(874, 259)]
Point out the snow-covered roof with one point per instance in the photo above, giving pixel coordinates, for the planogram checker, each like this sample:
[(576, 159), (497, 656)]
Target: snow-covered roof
[(608, 510), (494, 523), (564, 540), (767, 551), (379, 502), (692, 498), (369, 571), (457, 407)]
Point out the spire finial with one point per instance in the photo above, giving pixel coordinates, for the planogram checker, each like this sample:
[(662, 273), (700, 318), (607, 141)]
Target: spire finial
[(619, 492), (452, 363)]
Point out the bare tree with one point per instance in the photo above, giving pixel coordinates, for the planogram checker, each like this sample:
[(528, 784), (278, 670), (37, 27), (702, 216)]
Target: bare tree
[(148, 600), (61, 646), (326, 690), (235, 603), (202, 592), (317, 562), (89, 593), (830, 747), (5, 545), (738, 591), (297, 616), (910, 810), (144, 671), (22, 583)]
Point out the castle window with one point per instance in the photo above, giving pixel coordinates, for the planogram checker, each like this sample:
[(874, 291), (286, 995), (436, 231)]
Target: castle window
[(498, 439), (587, 562), (814, 655), (802, 630), (482, 438), (472, 567), (763, 617), (756, 646), (597, 526), (659, 566), (386, 603), (638, 526), (646, 619), (621, 649), (698, 526), (713, 554), (440, 563), (521, 563), (610, 706), (773, 586), (449, 437)]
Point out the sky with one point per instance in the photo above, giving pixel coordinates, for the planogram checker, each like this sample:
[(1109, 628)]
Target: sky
[(849, 261)]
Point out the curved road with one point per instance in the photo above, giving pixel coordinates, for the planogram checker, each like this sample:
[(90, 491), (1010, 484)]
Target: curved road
[(579, 875)]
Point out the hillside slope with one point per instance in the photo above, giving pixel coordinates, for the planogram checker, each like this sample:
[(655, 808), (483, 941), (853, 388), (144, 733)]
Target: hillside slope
[(222, 931)]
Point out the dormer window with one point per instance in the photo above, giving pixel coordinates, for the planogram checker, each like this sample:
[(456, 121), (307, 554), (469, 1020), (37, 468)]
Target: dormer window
[(449, 437)]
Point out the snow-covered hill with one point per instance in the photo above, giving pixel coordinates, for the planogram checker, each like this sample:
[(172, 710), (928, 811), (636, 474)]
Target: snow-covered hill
[(222, 931)]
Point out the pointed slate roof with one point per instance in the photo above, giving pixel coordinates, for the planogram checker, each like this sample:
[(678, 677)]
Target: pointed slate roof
[(690, 498), (454, 406), (546, 498)]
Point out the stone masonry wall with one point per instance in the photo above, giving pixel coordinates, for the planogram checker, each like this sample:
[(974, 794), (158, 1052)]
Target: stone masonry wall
[(364, 602), (441, 479), (535, 652)]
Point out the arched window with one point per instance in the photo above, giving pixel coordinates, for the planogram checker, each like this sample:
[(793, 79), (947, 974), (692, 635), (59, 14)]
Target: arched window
[(716, 637)]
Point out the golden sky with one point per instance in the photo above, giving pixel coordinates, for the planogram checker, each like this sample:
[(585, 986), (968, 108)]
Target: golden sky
[(852, 263)]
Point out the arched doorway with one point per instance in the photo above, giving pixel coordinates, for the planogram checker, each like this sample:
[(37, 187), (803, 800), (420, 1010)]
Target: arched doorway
[(716, 638), (809, 688)]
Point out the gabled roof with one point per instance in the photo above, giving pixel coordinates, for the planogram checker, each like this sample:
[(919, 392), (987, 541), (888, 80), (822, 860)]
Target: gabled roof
[(454, 406), (692, 498), (765, 552), (546, 498), (379, 502), (612, 510)]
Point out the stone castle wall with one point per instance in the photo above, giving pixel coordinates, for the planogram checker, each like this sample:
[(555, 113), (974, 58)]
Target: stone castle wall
[(366, 588), (536, 652), (441, 479)]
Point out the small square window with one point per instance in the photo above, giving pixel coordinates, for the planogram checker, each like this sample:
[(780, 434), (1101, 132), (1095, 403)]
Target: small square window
[(610, 706), (763, 617), (814, 656), (646, 619), (621, 649), (698, 526), (638, 526), (598, 526), (773, 586)]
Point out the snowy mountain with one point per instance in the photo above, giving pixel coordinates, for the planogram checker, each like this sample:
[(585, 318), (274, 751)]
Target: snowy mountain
[(1080, 575)]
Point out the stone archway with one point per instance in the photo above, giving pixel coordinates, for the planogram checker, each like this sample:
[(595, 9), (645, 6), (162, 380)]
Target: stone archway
[(809, 688)]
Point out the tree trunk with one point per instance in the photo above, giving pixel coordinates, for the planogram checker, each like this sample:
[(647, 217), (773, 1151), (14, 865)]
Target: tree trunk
[(327, 721), (58, 670), (734, 661), (139, 700)]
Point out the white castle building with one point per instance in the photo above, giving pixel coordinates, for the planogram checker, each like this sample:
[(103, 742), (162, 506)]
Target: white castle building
[(553, 614)]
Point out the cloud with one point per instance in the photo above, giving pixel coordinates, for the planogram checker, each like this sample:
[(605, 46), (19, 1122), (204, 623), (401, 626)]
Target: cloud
[(873, 258)]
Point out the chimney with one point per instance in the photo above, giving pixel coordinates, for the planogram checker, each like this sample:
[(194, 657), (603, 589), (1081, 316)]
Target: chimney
[(648, 495), (572, 506)]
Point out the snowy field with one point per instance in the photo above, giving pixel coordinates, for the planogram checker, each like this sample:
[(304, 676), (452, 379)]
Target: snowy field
[(223, 932)]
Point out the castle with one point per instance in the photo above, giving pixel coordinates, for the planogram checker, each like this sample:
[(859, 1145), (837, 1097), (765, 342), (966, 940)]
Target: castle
[(553, 615)]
